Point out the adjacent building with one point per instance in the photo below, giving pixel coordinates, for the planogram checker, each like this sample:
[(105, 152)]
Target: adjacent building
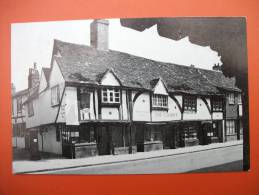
[(96, 101)]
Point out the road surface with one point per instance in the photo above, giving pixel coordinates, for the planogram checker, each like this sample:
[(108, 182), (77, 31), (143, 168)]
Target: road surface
[(223, 159)]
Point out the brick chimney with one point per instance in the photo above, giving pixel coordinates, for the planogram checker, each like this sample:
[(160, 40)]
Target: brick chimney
[(100, 34), (216, 67), (34, 76)]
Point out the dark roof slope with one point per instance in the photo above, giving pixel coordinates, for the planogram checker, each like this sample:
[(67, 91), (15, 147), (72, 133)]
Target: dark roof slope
[(20, 93), (46, 72), (85, 63)]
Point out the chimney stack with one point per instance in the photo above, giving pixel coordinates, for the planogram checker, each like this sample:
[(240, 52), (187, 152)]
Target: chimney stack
[(13, 89), (34, 76), (216, 67), (100, 34)]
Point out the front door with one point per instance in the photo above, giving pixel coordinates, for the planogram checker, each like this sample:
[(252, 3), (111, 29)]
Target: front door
[(34, 147)]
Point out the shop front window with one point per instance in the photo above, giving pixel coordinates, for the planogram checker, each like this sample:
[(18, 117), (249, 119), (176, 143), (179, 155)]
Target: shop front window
[(153, 134), (190, 133)]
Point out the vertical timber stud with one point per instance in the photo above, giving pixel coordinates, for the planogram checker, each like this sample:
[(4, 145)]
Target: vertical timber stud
[(99, 103), (94, 104), (78, 102)]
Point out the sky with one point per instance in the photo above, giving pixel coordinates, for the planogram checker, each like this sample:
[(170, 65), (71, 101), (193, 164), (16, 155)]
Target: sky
[(33, 42)]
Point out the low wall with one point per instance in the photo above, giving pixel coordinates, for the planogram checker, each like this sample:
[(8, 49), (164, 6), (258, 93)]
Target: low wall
[(85, 150)]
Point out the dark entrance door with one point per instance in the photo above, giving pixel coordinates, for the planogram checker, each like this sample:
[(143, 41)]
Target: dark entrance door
[(103, 140), (34, 147), (27, 140), (206, 129)]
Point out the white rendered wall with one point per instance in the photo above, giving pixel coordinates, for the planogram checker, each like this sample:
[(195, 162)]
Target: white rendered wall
[(141, 108), (173, 112), (49, 141)]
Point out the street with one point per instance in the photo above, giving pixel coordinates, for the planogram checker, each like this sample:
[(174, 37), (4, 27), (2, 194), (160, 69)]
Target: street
[(223, 159)]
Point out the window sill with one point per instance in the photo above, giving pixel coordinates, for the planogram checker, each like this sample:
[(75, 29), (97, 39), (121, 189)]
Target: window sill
[(110, 104), (160, 108)]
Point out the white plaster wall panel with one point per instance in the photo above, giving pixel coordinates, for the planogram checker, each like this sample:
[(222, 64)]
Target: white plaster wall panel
[(201, 114), (217, 115), (109, 79), (141, 108), (71, 108), (173, 112), (34, 120), (240, 110), (56, 76), (209, 103), (160, 88), (124, 105), (180, 99), (96, 104), (110, 113), (49, 141), (43, 82)]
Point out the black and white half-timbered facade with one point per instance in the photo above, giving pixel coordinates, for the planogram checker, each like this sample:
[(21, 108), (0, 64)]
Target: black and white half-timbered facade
[(96, 101)]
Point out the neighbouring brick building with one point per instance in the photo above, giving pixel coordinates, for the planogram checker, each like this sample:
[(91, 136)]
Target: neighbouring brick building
[(96, 101)]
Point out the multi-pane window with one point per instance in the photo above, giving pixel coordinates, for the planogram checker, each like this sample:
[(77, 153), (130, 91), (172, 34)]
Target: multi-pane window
[(231, 98), (159, 101), (230, 127), (190, 133), (110, 95), (239, 99), (55, 95), (19, 105), (30, 108), (217, 104), (190, 103)]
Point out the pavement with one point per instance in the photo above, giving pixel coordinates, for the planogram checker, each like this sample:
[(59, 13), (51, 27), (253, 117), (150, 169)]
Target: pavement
[(58, 164)]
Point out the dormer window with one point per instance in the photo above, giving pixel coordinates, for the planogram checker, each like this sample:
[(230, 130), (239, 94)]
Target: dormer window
[(110, 95), (159, 101)]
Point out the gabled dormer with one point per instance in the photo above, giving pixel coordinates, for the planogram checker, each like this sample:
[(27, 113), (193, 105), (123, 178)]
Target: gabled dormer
[(109, 78), (159, 94), (111, 93)]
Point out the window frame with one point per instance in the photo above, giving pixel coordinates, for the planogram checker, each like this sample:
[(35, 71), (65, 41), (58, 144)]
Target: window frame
[(19, 105), (230, 127), (55, 100), (231, 98), (113, 95), (217, 104), (159, 101), (30, 108), (190, 99)]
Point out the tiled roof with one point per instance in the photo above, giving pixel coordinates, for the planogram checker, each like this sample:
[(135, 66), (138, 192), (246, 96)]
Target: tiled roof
[(85, 63)]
